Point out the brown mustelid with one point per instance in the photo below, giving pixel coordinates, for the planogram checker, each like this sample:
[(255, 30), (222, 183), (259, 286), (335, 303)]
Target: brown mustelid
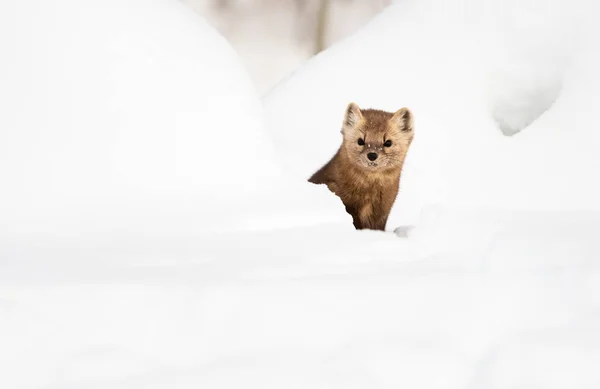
[(365, 171)]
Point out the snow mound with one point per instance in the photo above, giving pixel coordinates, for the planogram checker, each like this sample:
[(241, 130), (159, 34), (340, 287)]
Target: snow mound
[(313, 307), (472, 72), (123, 115)]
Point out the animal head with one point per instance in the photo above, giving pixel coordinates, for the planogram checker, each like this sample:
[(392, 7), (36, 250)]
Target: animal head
[(377, 140)]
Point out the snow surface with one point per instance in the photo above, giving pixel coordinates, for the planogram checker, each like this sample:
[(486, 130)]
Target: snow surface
[(124, 117), (471, 71), (312, 308), (491, 280)]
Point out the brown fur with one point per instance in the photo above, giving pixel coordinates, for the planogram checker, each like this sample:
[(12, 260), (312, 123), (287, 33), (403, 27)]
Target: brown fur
[(367, 188)]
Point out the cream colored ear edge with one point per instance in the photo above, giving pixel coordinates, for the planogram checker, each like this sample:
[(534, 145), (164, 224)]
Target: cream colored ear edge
[(403, 118), (352, 116)]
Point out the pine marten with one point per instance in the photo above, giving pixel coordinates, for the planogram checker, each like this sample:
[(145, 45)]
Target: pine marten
[(365, 171)]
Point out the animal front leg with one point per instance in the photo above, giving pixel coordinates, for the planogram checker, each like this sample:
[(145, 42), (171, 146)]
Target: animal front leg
[(375, 222), (352, 211), (380, 223)]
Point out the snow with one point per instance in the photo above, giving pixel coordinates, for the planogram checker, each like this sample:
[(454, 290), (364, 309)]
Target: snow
[(155, 269), (125, 129), (471, 72), (274, 37), (235, 309)]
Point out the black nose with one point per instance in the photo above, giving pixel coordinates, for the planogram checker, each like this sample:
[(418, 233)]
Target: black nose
[(372, 156)]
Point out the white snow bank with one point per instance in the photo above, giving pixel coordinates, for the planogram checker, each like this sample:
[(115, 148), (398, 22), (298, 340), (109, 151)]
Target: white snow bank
[(471, 71), (312, 308), (127, 117)]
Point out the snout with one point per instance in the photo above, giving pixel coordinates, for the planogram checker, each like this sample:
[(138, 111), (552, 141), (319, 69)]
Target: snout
[(372, 156)]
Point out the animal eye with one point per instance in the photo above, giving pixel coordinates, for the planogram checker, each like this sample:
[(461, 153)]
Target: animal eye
[(388, 143), (361, 142)]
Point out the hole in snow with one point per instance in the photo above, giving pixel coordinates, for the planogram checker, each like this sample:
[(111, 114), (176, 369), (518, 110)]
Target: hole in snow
[(520, 96)]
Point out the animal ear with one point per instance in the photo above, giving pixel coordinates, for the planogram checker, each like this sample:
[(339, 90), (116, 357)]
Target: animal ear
[(403, 120), (352, 117)]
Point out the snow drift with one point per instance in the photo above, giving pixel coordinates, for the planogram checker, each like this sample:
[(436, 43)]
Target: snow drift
[(500, 91), (124, 117)]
